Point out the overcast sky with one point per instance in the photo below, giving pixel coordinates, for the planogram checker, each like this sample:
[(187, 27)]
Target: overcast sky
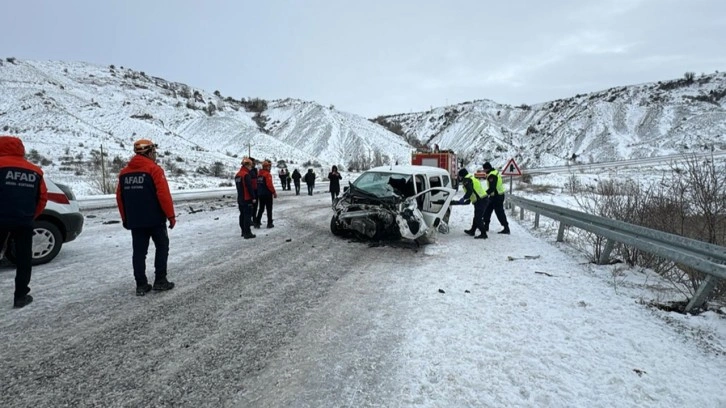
[(374, 57)]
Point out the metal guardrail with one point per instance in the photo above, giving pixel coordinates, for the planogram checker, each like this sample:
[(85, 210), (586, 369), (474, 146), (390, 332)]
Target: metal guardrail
[(702, 256), (109, 200)]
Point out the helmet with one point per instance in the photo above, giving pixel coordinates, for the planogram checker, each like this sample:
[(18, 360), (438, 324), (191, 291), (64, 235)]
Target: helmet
[(247, 161), (144, 146), (266, 164), (463, 173)]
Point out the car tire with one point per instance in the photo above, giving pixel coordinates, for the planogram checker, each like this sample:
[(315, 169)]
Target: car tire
[(47, 243), (334, 227)]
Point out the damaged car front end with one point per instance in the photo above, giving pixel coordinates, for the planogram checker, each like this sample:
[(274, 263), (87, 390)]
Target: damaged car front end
[(386, 205)]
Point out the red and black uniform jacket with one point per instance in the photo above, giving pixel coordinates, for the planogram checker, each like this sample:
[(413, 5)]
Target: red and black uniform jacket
[(143, 195), (264, 184), (23, 193), (245, 191)]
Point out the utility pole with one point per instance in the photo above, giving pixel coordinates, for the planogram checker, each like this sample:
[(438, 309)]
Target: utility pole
[(249, 148), (104, 183)]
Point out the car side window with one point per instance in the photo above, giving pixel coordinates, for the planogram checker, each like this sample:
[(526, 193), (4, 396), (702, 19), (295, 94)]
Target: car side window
[(435, 181)]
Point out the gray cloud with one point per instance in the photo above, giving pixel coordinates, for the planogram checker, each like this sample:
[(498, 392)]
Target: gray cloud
[(379, 57)]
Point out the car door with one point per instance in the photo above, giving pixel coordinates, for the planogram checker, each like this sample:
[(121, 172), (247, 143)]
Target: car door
[(436, 202)]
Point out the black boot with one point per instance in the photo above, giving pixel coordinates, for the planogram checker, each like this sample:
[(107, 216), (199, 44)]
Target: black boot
[(22, 301), (163, 285), (470, 231), (505, 230), (483, 235), (142, 290)]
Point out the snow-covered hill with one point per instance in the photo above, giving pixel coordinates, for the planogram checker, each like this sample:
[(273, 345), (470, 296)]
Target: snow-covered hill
[(619, 123), (67, 112)]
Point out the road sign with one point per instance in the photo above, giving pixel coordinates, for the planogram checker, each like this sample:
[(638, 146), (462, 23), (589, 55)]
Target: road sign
[(511, 169)]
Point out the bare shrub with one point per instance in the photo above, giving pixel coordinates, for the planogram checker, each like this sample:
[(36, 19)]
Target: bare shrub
[(689, 201), (105, 184)]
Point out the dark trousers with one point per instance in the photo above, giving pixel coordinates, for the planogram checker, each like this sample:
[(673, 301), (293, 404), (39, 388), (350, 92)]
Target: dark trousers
[(23, 238), (265, 204), (283, 182), (297, 187), (140, 242), (478, 220), (253, 210), (334, 195), (496, 205), (310, 189), (245, 217)]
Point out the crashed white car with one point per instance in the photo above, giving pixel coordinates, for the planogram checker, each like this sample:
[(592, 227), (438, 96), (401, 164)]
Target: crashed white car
[(395, 202)]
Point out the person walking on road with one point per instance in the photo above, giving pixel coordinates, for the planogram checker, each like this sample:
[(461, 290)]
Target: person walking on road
[(145, 205), (474, 193), (495, 191), (265, 193), (334, 178), (246, 196), (296, 176), (23, 195), (310, 181), (282, 173)]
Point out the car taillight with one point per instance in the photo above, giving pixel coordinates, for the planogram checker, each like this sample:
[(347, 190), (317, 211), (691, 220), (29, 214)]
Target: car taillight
[(59, 198)]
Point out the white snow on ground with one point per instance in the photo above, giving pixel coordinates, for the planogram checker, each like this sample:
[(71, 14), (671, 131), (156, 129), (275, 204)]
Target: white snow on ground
[(544, 329)]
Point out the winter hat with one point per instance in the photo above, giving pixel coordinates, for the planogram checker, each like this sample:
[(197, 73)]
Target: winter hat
[(487, 166), (463, 173)]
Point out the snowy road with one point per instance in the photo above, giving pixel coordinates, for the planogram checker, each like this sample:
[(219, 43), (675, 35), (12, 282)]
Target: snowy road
[(300, 318)]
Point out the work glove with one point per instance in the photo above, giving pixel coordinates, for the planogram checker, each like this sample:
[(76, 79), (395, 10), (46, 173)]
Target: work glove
[(172, 222), (463, 201), (126, 226)]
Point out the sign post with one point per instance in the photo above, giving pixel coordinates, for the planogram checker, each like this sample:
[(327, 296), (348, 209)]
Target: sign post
[(511, 170)]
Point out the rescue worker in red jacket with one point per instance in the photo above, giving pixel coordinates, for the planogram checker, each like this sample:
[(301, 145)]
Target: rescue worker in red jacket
[(145, 204), (255, 203), (23, 196), (265, 193), (246, 196)]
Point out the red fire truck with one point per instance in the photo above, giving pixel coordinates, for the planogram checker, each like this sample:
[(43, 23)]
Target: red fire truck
[(445, 159)]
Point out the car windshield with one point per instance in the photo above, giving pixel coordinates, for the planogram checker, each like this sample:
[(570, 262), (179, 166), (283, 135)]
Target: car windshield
[(383, 184)]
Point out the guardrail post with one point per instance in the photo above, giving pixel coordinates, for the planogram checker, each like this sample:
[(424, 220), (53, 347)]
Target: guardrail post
[(521, 213), (702, 293), (561, 232), (536, 220), (605, 254)]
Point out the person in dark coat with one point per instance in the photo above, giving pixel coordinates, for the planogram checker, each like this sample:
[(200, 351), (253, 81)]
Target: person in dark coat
[(474, 193), (310, 181), (145, 204), (23, 196), (334, 178), (495, 191), (255, 203), (296, 176), (282, 173), (265, 193), (246, 195)]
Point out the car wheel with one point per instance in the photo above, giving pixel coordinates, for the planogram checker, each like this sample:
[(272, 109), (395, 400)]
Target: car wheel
[(334, 227), (47, 242)]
